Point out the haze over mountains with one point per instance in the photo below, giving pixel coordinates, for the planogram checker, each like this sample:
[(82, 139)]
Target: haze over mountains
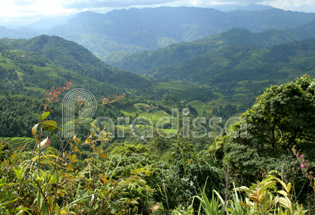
[(135, 30), (150, 28), (147, 62)]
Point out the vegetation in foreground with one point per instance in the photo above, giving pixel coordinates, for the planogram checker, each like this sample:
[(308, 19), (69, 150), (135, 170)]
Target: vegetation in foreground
[(265, 169)]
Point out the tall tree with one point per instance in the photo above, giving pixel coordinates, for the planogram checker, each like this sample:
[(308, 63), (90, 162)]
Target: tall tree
[(282, 118)]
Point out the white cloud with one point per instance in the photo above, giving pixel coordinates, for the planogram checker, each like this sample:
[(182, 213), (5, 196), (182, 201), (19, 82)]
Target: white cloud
[(294, 5), (200, 3), (112, 3), (25, 11)]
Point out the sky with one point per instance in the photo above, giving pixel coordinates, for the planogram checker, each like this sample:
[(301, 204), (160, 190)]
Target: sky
[(20, 12)]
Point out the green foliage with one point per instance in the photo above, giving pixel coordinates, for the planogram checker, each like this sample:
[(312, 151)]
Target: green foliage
[(227, 69), (261, 198), (47, 181), (86, 176), (189, 171), (281, 118), (93, 174)]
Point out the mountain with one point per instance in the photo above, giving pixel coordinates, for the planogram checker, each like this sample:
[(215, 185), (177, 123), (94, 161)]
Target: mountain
[(25, 76), (32, 73), (17, 33), (24, 79), (77, 59), (149, 61), (227, 67), (48, 22), (237, 70), (135, 30)]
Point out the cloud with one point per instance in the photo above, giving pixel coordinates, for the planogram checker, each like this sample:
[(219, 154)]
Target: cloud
[(212, 3), (23, 2), (242, 2), (19, 12), (294, 5), (83, 4)]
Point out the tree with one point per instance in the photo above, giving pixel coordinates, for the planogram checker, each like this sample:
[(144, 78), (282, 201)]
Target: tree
[(281, 118)]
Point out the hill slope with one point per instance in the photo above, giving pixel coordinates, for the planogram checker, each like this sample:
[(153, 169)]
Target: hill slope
[(78, 59), (32, 73), (24, 79), (228, 66)]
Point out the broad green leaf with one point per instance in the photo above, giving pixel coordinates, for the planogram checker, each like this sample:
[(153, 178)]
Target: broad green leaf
[(44, 116), (50, 125)]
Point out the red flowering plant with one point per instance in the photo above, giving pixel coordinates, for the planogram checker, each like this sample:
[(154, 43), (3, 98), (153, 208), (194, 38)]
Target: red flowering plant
[(50, 125), (53, 95), (305, 167), (108, 100)]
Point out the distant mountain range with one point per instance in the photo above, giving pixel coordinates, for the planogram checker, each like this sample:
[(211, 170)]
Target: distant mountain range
[(135, 30), (150, 61), (238, 64), (18, 33)]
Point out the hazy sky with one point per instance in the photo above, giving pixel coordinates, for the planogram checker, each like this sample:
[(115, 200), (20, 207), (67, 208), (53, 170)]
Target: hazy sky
[(28, 11)]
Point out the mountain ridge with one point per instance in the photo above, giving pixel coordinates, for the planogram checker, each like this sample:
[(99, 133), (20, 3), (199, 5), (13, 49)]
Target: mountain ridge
[(76, 58), (147, 62), (153, 28), (133, 30)]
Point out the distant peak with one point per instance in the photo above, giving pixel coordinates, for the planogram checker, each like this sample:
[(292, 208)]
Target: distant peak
[(86, 15), (238, 30)]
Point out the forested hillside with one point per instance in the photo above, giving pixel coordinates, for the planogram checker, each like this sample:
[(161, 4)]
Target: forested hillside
[(232, 64), (238, 69), (78, 59), (24, 79), (31, 67), (148, 62)]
